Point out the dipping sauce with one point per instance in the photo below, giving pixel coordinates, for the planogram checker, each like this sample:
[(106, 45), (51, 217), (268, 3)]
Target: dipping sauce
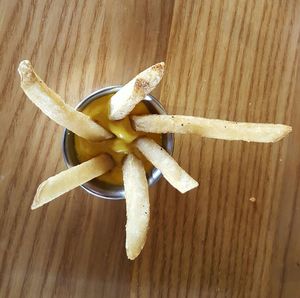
[(117, 147)]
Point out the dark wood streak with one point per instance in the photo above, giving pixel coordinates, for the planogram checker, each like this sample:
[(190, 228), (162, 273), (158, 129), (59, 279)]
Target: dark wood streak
[(182, 154), (7, 84), (10, 28), (67, 261), (29, 264), (225, 205), (218, 28), (45, 161), (151, 246), (269, 153), (16, 218), (295, 198), (182, 66), (37, 232), (185, 217), (22, 159), (208, 210), (198, 79), (102, 49), (205, 109), (54, 47), (10, 188), (204, 53), (192, 254), (291, 218), (161, 194), (97, 11), (53, 244), (168, 262), (285, 118), (145, 37), (244, 31), (259, 182), (240, 163), (196, 204), (254, 174)]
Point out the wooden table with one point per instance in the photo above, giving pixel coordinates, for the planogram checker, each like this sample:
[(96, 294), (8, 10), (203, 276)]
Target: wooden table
[(235, 60)]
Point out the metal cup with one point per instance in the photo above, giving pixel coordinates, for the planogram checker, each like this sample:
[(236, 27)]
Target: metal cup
[(101, 189)]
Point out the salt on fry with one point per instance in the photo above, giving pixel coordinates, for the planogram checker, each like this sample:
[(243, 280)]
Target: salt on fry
[(170, 169), (123, 102), (52, 105), (137, 205), (66, 180), (212, 128)]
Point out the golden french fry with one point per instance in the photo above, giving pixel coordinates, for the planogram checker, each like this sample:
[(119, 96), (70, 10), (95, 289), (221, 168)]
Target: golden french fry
[(66, 180), (170, 169), (123, 102), (137, 205), (51, 104), (212, 128)]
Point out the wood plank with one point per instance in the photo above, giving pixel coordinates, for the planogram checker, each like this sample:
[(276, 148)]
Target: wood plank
[(75, 246), (285, 266), (232, 60)]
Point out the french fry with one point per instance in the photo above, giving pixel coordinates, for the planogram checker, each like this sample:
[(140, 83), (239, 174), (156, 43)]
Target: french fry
[(212, 128), (51, 104), (170, 169), (137, 205), (66, 180), (123, 102)]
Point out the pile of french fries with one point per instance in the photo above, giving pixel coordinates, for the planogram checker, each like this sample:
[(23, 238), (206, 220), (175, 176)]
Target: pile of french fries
[(134, 176)]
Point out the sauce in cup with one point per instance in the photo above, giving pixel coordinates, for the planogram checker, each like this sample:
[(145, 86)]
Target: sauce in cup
[(77, 150), (119, 146)]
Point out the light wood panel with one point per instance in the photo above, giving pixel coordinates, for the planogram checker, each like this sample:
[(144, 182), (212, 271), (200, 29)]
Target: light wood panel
[(75, 247), (235, 60)]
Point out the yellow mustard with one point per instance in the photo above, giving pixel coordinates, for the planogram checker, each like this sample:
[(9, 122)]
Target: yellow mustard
[(117, 147)]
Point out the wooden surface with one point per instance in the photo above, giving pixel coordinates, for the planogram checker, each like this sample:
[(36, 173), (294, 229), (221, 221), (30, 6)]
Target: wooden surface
[(235, 60)]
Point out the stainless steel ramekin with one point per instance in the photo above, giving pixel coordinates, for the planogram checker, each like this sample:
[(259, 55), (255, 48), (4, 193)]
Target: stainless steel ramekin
[(101, 189)]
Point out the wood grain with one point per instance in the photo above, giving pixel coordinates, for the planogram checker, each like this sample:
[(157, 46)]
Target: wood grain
[(235, 60)]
